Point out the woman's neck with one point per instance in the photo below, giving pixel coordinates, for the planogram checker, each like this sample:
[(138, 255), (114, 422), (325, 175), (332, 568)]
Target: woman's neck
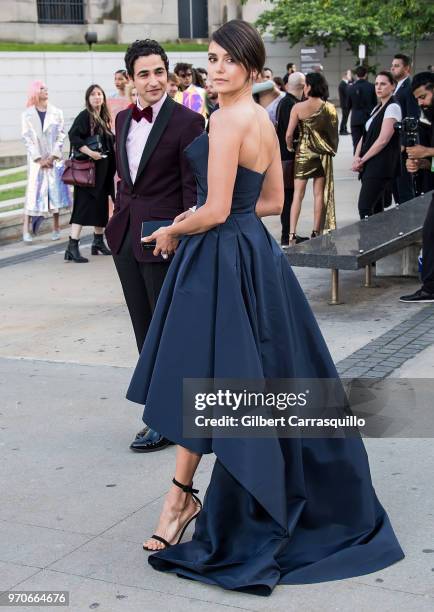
[(96, 110), (42, 106), (385, 100), (231, 98)]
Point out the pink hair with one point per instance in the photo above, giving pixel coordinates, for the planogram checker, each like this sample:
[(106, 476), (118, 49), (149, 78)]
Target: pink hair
[(33, 92)]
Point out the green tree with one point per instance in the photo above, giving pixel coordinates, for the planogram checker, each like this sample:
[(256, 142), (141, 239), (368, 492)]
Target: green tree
[(354, 22)]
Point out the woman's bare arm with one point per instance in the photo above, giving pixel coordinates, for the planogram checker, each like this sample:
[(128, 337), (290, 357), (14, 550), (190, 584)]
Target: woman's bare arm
[(224, 148)]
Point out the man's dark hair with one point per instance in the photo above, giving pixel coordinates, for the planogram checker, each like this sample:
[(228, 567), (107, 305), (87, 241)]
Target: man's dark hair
[(361, 72), (243, 43), (405, 59), (142, 48), (423, 79), (388, 76), (182, 67), (318, 85), (266, 68), (122, 72), (289, 65)]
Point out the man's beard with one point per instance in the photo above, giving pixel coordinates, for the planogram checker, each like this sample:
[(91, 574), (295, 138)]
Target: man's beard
[(428, 111)]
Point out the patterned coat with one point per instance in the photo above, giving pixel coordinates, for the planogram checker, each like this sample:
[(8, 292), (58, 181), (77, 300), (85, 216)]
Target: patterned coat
[(46, 192)]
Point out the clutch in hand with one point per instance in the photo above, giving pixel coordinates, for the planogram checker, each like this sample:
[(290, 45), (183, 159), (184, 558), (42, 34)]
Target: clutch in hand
[(149, 227)]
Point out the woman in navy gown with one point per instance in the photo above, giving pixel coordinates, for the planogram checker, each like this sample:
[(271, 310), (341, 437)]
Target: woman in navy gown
[(277, 510)]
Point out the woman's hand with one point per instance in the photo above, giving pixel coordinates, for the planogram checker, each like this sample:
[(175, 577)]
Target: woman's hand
[(166, 244), (183, 215), (95, 155)]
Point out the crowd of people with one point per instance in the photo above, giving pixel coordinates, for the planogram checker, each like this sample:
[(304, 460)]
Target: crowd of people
[(305, 120)]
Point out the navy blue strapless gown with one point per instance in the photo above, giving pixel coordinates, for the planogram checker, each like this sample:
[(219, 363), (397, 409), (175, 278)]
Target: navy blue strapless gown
[(276, 511)]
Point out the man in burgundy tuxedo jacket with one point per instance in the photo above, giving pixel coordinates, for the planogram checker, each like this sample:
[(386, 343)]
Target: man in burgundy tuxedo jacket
[(156, 183)]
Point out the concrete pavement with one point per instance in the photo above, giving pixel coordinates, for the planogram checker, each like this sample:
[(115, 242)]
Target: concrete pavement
[(76, 504)]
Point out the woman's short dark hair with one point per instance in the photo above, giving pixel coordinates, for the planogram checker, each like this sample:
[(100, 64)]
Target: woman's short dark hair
[(388, 76), (243, 43), (142, 48), (318, 85)]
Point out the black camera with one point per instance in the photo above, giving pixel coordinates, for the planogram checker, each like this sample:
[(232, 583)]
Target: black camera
[(409, 130)]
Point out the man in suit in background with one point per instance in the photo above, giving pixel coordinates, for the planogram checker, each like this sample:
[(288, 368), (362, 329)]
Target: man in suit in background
[(403, 189), (361, 101), (343, 88), (156, 183), (294, 88)]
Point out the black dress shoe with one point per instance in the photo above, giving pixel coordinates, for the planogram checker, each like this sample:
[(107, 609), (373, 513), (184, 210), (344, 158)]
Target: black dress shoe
[(419, 297), (151, 441), (142, 432)]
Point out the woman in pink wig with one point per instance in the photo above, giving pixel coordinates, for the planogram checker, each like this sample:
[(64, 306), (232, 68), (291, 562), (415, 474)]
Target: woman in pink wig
[(43, 134)]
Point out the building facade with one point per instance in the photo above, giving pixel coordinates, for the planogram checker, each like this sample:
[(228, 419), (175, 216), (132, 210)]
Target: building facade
[(119, 21)]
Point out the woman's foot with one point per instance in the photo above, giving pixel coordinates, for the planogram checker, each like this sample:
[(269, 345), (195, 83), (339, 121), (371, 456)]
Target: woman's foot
[(178, 509), (315, 233)]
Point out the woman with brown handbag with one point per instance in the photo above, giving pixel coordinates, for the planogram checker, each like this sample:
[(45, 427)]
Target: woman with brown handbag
[(91, 138)]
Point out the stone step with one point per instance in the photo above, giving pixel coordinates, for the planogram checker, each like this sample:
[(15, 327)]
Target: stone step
[(12, 202), (12, 170), (8, 186)]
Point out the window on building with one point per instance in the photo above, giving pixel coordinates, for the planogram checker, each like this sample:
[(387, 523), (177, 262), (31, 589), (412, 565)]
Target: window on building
[(60, 11), (193, 18)]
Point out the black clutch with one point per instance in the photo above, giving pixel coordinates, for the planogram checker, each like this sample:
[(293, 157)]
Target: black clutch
[(149, 227), (94, 143)]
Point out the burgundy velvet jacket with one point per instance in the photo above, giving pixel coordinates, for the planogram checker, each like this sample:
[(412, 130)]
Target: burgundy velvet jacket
[(164, 186)]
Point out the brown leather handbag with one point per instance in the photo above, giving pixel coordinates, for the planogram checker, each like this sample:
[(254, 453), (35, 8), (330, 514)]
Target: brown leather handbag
[(80, 173)]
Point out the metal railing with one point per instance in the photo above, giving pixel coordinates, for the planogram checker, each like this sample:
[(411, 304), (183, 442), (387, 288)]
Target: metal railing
[(61, 11)]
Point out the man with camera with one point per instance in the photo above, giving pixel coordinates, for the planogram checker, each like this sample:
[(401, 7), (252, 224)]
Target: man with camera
[(421, 159)]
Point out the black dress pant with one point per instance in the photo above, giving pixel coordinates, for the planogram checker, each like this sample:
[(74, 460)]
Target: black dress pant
[(356, 134), (141, 283), (284, 217), (344, 120), (372, 194), (428, 250)]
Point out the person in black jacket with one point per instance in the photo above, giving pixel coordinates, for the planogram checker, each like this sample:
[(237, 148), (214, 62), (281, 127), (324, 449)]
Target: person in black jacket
[(91, 203), (378, 151), (361, 101), (294, 88), (421, 158), (343, 90), (403, 188)]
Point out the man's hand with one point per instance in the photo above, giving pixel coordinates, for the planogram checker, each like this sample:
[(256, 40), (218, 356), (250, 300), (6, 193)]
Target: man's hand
[(357, 164), (419, 152), (413, 165)]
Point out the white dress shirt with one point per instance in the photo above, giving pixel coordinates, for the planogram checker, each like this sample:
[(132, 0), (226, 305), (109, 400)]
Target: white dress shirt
[(138, 136)]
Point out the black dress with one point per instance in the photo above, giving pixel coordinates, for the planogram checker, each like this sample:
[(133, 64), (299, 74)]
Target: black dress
[(91, 203)]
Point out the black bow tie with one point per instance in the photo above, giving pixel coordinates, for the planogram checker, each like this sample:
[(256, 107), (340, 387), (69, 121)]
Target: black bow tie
[(145, 113)]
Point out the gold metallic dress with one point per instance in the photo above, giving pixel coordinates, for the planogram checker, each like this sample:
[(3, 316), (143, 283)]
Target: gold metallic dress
[(317, 145)]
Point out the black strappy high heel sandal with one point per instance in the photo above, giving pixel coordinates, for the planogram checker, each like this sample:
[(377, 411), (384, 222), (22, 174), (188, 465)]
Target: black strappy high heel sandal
[(315, 234), (180, 533)]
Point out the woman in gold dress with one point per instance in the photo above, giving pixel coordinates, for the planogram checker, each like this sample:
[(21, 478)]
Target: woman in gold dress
[(318, 124)]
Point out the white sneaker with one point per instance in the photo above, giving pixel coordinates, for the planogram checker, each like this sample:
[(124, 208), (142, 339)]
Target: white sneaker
[(55, 235), (27, 237)]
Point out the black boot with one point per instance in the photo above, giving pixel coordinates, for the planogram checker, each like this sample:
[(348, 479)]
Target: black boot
[(99, 246), (72, 252)]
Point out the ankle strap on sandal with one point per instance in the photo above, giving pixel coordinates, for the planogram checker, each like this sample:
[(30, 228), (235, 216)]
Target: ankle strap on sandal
[(185, 488)]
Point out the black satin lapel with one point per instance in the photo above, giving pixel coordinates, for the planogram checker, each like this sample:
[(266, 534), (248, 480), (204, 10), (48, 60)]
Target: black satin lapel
[(157, 131), (125, 170)]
